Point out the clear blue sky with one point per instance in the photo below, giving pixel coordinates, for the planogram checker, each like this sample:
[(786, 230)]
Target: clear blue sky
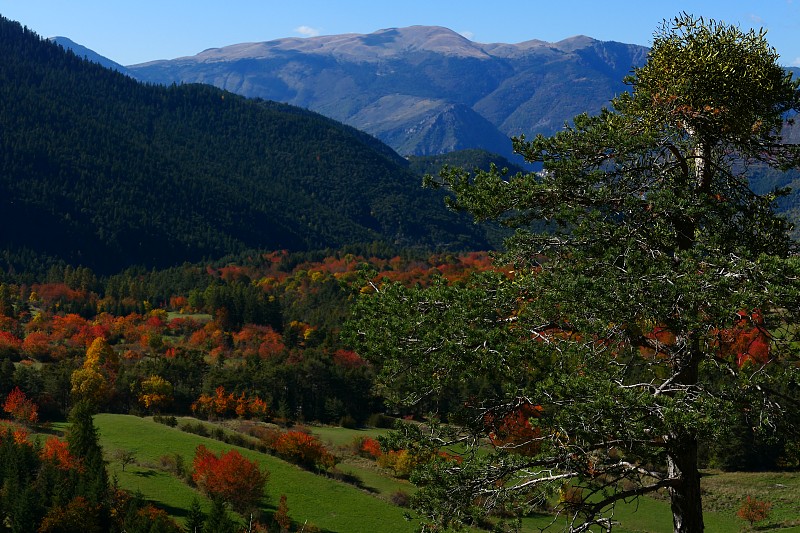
[(135, 31)]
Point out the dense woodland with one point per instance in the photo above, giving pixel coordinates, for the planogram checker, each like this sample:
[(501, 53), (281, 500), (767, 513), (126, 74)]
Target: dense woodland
[(254, 337), (267, 326)]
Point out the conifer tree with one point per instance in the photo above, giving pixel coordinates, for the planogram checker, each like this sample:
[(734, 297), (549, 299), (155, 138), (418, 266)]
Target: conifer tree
[(195, 518), (657, 309), (218, 519), (83, 443)]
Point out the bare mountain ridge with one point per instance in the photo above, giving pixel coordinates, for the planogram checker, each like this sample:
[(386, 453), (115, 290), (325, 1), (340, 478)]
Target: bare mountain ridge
[(420, 89), (90, 55), (374, 47)]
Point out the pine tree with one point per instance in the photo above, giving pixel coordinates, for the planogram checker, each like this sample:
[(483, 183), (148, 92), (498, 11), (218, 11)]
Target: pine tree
[(195, 518), (658, 307), (83, 443), (218, 519)]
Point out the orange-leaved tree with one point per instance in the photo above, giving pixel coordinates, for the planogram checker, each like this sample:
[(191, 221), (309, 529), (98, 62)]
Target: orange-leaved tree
[(229, 477), (305, 450), (20, 407)]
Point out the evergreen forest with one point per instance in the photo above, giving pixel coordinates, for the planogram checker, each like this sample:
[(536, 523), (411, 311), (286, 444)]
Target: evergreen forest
[(103, 171)]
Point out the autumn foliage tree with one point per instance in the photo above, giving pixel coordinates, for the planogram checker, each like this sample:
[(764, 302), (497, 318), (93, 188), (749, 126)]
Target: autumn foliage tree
[(304, 449), (155, 393), (56, 451), (77, 515), (754, 510), (281, 516), (223, 404), (20, 407), (229, 477), (513, 429), (93, 382), (622, 320)]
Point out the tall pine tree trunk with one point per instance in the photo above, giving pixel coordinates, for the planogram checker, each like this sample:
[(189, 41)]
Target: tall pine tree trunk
[(685, 498)]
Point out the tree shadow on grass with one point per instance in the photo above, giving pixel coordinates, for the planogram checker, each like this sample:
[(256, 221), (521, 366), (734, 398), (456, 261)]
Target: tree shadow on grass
[(144, 473), (171, 510)]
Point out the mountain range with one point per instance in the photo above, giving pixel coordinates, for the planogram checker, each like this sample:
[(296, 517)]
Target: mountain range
[(99, 169), (422, 90), (427, 90)]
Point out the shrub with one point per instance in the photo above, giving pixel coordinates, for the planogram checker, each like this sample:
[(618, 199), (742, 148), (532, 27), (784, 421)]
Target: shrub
[(170, 421), (173, 463), (400, 498), (198, 428), (281, 515), (267, 436), (304, 449), (570, 496), (380, 420), (753, 510), (348, 422), (402, 462), (370, 448)]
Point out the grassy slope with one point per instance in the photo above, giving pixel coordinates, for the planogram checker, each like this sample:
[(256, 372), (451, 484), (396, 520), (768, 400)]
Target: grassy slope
[(340, 439), (326, 503), (339, 507)]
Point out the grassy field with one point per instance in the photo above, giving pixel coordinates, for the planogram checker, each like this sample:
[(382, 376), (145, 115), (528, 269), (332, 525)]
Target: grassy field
[(328, 504), (339, 507)]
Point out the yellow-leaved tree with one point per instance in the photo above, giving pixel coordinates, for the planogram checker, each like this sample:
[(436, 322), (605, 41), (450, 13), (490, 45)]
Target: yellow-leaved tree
[(94, 381), (155, 393)]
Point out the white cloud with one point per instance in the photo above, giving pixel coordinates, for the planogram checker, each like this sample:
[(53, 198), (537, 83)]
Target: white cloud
[(755, 19), (307, 31), (468, 34), (796, 62)]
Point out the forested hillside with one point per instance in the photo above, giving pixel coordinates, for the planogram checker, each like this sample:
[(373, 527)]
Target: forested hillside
[(100, 170)]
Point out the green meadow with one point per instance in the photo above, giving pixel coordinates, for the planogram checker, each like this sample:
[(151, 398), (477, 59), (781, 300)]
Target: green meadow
[(337, 506), (324, 502)]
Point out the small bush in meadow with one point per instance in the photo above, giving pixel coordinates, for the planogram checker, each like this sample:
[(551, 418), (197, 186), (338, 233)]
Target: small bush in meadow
[(370, 448), (197, 428), (400, 498), (170, 421), (173, 463), (305, 450), (230, 477), (380, 420), (753, 510), (348, 422), (402, 462)]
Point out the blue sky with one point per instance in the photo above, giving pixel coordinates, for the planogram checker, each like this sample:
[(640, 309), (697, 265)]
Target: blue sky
[(135, 31)]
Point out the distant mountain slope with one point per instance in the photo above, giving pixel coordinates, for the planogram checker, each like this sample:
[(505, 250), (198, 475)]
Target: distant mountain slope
[(468, 159), (422, 90), (99, 169), (81, 51)]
